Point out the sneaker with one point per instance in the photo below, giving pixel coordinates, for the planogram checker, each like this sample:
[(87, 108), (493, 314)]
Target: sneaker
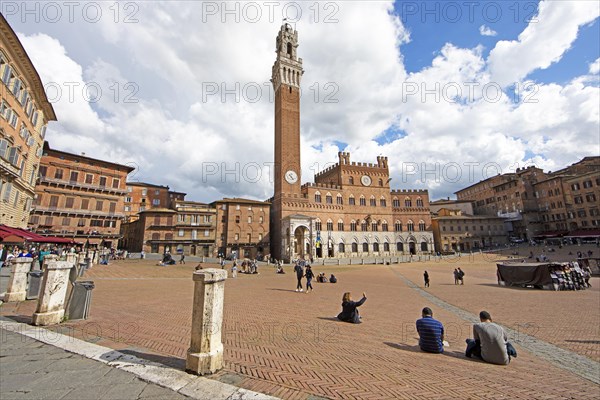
[(297, 290), (301, 290)]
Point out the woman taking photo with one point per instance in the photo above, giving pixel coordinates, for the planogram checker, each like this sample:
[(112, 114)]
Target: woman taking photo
[(349, 312)]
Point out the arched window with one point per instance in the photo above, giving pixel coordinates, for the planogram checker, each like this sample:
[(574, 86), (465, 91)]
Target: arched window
[(363, 226), (317, 197), (384, 226), (386, 246), (423, 246), (422, 226), (340, 225), (407, 202), (395, 202), (351, 180), (380, 182), (353, 226), (419, 202), (317, 224), (374, 226), (363, 201), (340, 199), (365, 247), (168, 236), (399, 246), (411, 226), (398, 226), (156, 236), (355, 247), (289, 50), (351, 200), (376, 247), (372, 201), (329, 225), (328, 198), (341, 248), (382, 202)]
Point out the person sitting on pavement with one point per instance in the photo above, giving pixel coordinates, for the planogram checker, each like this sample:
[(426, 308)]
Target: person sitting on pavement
[(349, 309), (489, 342), (332, 279), (280, 270), (431, 332)]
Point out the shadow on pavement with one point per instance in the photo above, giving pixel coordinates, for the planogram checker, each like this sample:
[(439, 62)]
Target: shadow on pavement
[(329, 319), (24, 319), (505, 287), (282, 290), (405, 347), (169, 361), (416, 349), (583, 341)]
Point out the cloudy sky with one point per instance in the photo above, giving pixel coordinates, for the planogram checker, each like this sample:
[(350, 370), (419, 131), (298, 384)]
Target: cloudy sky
[(451, 92)]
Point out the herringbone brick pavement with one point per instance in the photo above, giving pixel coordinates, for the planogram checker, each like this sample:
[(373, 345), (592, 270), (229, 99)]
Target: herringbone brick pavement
[(288, 344)]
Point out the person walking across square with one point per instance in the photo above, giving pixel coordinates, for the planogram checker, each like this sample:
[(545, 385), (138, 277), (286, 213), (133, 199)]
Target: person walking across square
[(299, 274)]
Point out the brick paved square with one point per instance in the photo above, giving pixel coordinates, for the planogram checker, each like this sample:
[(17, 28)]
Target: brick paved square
[(288, 344)]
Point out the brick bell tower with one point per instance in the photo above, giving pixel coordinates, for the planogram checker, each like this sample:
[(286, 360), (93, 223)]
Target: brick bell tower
[(285, 76)]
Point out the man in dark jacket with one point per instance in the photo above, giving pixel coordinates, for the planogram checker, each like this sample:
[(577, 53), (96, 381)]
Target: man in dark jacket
[(299, 274)]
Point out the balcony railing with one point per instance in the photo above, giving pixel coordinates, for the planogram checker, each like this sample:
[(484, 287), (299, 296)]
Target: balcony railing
[(68, 182), (78, 211)]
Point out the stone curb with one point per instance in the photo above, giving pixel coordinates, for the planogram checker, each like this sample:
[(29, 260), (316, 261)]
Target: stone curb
[(196, 387)]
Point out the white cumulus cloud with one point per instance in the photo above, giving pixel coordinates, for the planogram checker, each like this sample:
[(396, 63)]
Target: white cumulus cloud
[(487, 31)]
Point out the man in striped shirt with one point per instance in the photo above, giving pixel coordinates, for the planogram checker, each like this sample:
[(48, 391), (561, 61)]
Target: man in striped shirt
[(431, 333)]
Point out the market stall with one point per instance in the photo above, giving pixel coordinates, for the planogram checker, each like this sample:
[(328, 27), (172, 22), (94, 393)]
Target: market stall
[(550, 276)]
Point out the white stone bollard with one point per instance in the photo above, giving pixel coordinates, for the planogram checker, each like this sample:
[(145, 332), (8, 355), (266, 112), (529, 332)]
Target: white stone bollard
[(72, 258), (49, 259), (17, 283), (51, 303), (205, 355)]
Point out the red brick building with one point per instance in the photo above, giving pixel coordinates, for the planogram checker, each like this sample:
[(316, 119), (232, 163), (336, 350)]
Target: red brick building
[(350, 210), (187, 228), (144, 196), (543, 205), (79, 197), (242, 228)]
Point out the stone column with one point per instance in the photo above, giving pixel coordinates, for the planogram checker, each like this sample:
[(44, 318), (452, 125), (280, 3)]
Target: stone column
[(17, 283), (72, 258), (51, 303), (205, 355), (49, 259)]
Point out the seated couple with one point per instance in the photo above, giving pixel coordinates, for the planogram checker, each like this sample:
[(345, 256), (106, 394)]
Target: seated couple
[(489, 344)]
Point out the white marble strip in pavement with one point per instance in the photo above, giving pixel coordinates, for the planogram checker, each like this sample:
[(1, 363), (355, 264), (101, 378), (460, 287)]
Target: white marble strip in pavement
[(193, 386)]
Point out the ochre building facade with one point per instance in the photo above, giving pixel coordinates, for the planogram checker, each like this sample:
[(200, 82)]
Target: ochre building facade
[(24, 114)]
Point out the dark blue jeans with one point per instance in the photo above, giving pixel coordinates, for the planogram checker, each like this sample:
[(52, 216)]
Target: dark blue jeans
[(474, 349)]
